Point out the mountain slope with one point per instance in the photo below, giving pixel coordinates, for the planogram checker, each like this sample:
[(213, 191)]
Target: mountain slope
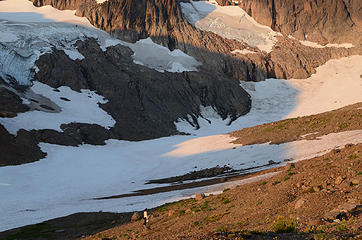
[(326, 21)]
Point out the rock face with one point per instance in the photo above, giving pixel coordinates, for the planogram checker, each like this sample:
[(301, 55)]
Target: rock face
[(325, 21), (145, 103), (164, 22), (10, 103), (18, 150)]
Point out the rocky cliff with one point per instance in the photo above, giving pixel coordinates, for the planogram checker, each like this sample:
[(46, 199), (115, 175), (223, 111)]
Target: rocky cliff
[(323, 21), (145, 103), (164, 22)]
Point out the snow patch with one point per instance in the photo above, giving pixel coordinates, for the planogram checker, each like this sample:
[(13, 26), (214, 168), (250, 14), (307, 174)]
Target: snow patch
[(335, 84), (335, 45), (244, 51), (83, 108), (230, 22), (317, 45), (73, 54), (160, 58), (24, 11)]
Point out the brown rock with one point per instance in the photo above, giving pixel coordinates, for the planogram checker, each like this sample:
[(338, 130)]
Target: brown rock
[(332, 215), (170, 213), (315, 222), (135, 217), (347, 207), (338, 180), (299, 204), (199, 196), (355, 181), (317, 188)]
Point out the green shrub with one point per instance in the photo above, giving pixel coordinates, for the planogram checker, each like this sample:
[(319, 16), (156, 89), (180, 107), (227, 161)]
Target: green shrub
[(221, 229), (276, 182), (283, 225)]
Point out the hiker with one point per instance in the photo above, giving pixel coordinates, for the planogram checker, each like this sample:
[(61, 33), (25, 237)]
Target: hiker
[(145, 218)]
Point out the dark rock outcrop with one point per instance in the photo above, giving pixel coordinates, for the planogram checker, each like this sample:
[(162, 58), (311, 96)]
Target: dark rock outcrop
[(20, 149), (73, 134), (323, 21), (145, 103), (10, 103)]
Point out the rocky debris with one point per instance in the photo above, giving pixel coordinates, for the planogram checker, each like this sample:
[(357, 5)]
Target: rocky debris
[(316, 21), (199, 196), (145, 103), (20, 149), (135, 217), (343, 211), (204, 173)]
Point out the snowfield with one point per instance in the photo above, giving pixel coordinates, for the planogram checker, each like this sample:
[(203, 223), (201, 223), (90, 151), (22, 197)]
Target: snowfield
[(69, 178), (230, 22)]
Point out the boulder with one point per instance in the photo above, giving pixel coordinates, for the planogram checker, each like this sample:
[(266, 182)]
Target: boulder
[(135, 217), (19, 149), (199, 196), (300, 203)]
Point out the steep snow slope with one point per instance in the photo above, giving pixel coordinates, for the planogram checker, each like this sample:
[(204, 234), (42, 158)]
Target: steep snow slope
[(28, 32), (229, 22)]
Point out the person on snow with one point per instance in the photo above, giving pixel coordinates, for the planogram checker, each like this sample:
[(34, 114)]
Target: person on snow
[(145, 218)]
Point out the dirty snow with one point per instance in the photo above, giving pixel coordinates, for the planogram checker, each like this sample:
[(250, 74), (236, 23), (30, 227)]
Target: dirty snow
[(244, 51), (230, 22)]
